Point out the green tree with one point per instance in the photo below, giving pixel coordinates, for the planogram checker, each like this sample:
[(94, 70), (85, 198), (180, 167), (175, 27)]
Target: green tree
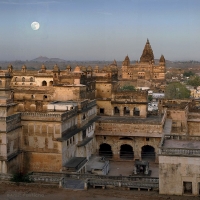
[(176, 91), (188, 73), (128, 88), (194, 81)]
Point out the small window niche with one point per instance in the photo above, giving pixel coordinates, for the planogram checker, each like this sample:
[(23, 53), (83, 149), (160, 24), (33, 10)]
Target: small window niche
[(101, 110)]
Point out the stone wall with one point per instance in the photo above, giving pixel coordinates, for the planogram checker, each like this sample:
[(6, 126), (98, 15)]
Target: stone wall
[(174, 170), (193, 124), (48, 162)]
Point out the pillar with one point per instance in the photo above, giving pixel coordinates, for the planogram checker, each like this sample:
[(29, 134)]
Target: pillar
[(86, 184), (4, 167), (112, 112), (121, 111), (131, 112)]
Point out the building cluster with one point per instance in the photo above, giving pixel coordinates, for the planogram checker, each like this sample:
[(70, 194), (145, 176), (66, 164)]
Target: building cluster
[(55, 121)]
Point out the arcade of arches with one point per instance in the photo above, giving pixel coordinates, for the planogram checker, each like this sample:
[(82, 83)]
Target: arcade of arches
[(126, 148)]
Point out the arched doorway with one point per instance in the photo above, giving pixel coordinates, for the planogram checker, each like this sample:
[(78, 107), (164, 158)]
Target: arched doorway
[(126, 152), (148, 153), (126, 111), (136, 111), (105, 150)]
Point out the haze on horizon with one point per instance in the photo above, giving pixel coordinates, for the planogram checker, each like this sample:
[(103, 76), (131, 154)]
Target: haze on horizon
[(99, 29)]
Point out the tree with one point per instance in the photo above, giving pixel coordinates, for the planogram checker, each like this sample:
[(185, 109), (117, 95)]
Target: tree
[(128, 88), (176, 91), (194, 81), (188, 73)]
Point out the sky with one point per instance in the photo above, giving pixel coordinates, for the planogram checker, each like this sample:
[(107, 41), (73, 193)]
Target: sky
[(99, 29)]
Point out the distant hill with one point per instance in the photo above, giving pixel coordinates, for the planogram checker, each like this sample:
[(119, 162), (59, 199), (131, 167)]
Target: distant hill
[(46, 59)]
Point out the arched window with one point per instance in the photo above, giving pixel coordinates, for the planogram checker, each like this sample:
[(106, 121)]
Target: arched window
[(15, 78), (31, 79), (23, 79), (0, 82), (50, 83), (44, 83)]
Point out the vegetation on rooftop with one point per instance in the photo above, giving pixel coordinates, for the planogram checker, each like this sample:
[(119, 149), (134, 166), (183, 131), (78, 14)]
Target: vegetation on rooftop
[(128, 88)]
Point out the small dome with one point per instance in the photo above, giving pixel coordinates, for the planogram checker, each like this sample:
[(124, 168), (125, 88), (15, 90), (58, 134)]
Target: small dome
[(43, 67), (56, 68), (89, 68), (77, 69), (83, 68)]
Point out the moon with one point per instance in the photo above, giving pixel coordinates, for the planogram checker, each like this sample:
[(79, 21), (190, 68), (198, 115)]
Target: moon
[(35, 26)]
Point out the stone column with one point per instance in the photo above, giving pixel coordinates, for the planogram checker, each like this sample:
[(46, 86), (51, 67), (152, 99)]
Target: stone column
[(137, 154), (4, 167), (121, 111), (156, 158), (131, 112), (86, 184), (112, 112)]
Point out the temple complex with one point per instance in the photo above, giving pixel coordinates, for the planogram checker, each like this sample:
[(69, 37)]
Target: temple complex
[(145, 72)]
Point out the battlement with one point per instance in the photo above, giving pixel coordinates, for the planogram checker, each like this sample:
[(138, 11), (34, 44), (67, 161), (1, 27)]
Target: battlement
[(47, 116)]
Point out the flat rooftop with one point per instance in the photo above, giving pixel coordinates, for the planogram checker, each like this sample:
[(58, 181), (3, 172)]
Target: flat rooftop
[(181, 144), (131, 119)]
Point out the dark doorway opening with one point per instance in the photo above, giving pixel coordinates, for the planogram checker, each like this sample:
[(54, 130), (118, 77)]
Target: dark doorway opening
[(136, 111), (126, 111), (126, 152), (148, 153), (105, 150), (116, 111), (187, 187)]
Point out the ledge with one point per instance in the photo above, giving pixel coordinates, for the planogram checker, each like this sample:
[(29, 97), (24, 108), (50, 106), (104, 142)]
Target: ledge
[(84, 142)]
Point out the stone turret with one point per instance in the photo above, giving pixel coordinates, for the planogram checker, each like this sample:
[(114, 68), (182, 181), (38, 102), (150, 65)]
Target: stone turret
[(10, 68), (162, 59), (126, 61), (43, 68), (147, 55), (56, 71), (24, 68), (96, 69), (114, 62), (68, 68)]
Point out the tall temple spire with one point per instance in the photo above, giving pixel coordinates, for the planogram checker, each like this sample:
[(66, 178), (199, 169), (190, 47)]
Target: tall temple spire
[(126, 61), (147, 54)]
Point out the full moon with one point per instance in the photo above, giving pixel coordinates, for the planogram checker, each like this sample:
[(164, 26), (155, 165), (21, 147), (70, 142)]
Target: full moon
[(35, 26)]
